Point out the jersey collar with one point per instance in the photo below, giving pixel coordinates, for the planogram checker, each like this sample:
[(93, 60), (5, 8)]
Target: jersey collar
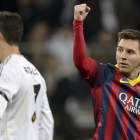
[(127, 80)]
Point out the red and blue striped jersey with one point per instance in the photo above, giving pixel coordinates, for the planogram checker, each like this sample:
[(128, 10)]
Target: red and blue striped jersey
[(116, 99)]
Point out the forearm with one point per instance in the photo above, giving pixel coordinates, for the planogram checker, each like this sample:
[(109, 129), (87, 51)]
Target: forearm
[(46, 126), (87, 67), (79, 43), (79, 53)]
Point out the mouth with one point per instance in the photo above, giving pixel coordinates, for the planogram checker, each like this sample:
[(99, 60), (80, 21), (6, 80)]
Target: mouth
[(122, 64)]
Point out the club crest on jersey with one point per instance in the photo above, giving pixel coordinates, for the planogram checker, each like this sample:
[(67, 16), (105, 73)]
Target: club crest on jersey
[(34, 117), (132, 104)]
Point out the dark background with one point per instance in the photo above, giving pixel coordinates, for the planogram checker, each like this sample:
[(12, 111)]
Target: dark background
[(48, 42)]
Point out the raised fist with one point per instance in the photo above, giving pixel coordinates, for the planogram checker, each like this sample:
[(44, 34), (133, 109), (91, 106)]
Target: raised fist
[(81, 11)]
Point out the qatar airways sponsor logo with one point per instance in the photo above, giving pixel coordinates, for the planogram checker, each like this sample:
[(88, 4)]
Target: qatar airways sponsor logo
[(131, 104)]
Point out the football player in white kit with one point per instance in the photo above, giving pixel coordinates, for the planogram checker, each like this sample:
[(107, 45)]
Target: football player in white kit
[(24, 109)]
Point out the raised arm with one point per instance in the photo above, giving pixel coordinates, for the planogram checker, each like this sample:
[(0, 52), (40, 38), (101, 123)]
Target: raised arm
[(81, 61)]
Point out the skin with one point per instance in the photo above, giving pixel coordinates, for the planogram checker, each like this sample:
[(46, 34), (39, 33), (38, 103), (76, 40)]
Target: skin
[(128, 52), (81, 11), (6, 49), (128, 58)]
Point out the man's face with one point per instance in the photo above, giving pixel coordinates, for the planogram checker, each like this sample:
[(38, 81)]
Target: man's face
[(128, 56)]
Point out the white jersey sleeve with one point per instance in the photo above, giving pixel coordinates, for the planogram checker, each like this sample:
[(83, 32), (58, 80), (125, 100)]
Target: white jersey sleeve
[(3, 105), (9, 86), (46, 121)]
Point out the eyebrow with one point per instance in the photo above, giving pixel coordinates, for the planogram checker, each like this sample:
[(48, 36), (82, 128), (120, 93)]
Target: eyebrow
[(126, 49), (119, 47)]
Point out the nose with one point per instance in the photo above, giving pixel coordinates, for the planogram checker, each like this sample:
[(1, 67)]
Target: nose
[(123, 55)]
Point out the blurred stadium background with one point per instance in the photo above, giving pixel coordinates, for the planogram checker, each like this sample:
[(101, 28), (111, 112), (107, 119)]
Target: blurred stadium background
[(48, 43)]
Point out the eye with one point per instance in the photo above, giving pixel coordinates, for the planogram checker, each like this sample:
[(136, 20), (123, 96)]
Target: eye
[(119, 49), (131, 52)]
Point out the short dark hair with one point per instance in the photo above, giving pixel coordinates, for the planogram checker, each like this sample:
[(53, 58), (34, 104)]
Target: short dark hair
[(11, 27), (129, 34)]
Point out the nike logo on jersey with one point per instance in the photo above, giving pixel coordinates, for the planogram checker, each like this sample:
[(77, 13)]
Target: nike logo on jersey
[(121, 81)]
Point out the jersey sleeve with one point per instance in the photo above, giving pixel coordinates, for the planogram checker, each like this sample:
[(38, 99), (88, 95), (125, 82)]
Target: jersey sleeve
[(92, 71), (9, 85), (3, 105), (46, 125)]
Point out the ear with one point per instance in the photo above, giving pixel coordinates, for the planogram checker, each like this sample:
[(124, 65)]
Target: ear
[(1, 37)]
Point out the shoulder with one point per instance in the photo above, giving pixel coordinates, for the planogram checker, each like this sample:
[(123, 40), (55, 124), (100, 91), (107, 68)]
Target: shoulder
[(106, 66), (11, 65), (108, 70), (7, 66)]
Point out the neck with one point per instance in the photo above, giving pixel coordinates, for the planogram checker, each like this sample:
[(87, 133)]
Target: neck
[(133, 75), (7, 50)]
